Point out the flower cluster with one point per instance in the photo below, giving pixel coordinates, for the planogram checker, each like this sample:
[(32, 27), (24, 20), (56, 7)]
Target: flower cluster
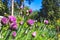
[(14, 33), (34, 34), (46, 21), (21, 22), (12, 19), (30, 22), (13, 25), (30, 11), (4, 20)]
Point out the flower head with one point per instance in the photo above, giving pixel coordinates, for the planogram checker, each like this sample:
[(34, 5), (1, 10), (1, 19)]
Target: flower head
[(21, 22), (12, 19), (30, 22), (34, 34), (13, 25), (4, 20), (14, 34), (30, 11), (46, 21), (27, 11), (21, 7)]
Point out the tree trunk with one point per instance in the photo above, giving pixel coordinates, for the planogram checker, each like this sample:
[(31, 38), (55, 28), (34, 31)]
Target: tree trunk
[(12, 7)]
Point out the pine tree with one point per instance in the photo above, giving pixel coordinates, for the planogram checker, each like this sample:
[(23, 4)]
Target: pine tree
[(50, 9)]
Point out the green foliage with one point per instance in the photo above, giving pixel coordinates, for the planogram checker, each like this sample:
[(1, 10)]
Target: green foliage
[(58, 22), (44, 32), (34, 15), (50, 9), (2, 8), (24, 31)]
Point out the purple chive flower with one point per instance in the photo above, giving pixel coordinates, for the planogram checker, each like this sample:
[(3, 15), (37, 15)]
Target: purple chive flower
[(34, 34), (4, 20), (46, 21), (30, 22), (12, 19), (14, 34), (30, 11), (13, 25), (21, 22)]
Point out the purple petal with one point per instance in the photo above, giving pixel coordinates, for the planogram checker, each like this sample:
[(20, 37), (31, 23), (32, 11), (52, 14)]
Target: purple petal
[(14, 34)]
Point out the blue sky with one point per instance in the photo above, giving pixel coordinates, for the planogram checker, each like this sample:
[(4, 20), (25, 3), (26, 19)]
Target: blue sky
[(35, 5)]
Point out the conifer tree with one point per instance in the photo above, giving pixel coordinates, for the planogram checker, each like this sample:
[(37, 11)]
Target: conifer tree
[(50, 9)]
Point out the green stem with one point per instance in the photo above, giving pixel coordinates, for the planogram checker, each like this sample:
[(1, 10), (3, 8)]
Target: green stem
[(8, 34)]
